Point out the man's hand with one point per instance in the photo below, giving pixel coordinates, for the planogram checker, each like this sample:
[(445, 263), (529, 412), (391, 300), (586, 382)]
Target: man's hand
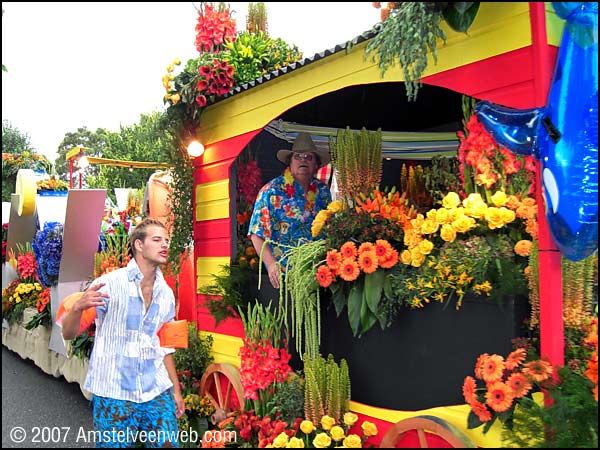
[(179, 404), (273, 270), (92, 297)]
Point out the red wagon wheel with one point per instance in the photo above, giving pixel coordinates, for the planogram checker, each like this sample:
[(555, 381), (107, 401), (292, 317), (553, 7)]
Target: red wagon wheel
[(221, 384), (455, 437)]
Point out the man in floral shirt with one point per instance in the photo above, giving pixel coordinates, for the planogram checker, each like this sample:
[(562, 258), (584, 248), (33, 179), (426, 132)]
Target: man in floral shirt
[(287, 205)]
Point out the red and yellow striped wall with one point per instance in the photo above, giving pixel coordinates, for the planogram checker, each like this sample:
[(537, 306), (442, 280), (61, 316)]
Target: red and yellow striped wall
[(507, 57)]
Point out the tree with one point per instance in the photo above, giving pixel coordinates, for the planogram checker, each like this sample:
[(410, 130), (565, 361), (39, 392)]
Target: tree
[(14, 140), (95, 142)]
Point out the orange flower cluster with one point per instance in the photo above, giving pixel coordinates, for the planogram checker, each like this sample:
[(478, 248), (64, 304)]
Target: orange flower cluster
[(348, 262), (391, 206), (52, 184), (43, 300), (592, 368), (506, 381)]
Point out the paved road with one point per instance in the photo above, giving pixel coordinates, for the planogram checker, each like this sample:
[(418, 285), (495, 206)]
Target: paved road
[(52, 412)]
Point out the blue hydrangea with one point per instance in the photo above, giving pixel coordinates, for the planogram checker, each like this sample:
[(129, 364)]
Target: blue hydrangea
[(47, 246)]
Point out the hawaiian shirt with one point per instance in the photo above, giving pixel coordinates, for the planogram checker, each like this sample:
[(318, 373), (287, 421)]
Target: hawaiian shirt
[(284, 213), (127, 361)]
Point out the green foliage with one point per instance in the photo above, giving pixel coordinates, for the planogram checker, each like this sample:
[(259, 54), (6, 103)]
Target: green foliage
[(441, 178), (81, 347), (288, 401), (196, 358), (327, 388), (407, 37), (228, 292), (302, 290), (263, 324), (571, 421), (14, 140), (94, 143)]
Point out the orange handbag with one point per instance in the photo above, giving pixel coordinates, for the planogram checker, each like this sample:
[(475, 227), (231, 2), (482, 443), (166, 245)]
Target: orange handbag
[(174, 334)]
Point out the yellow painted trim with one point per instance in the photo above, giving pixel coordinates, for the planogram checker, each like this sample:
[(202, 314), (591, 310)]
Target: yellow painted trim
[(554, 26), (499, 28), (456, 415), (206, 266), (212, 200), (225, 349)]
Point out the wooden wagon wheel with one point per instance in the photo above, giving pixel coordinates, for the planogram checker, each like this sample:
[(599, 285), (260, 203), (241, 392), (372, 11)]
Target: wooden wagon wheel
[(455, 437), (221, 384)]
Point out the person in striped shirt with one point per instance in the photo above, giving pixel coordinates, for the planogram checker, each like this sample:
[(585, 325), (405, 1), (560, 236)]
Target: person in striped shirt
[(132, 378)]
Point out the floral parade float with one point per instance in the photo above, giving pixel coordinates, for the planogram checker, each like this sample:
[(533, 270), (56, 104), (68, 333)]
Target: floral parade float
[(347, 90)]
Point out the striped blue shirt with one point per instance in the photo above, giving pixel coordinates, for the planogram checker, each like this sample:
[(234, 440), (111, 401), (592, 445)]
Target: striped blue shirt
[(127, 361)]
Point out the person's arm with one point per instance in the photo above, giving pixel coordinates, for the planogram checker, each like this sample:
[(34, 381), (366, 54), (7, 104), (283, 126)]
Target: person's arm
[(172, 371), (268, 259), (92, 297)]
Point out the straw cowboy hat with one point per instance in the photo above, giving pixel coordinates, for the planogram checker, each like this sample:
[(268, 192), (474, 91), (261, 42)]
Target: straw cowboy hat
[(303, 144)]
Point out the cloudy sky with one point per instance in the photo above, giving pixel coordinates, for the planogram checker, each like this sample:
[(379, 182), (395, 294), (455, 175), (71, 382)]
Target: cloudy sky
[(100, 65)]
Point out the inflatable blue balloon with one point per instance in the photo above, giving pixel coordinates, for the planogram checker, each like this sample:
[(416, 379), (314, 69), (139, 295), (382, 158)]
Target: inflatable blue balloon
[(563, 135)]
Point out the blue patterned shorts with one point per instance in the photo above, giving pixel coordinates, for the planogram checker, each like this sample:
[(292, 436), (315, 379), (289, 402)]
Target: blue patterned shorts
[(120, 423)]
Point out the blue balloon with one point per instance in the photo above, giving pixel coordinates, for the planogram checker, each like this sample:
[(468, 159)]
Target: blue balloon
[(563, 135)]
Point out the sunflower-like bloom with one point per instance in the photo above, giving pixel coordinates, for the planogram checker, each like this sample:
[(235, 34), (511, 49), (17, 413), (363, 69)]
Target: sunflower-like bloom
[(515, 358), (539, 370), (348, 250), (499, 396), (368, 262), (324, 276), (492, 368), (350, 270), (469, 387), (519, 384)]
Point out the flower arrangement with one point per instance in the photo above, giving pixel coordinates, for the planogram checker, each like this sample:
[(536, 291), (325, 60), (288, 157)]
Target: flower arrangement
[(114, 253), (264, 359), (43, 315), (486, 167), (467, 246), (52, 184), (4, 240), (47, 245)]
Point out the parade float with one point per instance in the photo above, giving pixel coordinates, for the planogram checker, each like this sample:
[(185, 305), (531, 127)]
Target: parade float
[(415, 370)]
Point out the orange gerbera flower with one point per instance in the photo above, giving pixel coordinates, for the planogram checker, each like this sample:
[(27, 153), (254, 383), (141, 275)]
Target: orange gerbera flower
[(515, 358), (367, 261), (519, 384), (350, 270), (499, 396), (366, 247), (383, 250), (479, 365), (539, 370), (481, 411), (324, 276), (469, 387), (492, 368), (348, 250), (333, 260), (391, 261)]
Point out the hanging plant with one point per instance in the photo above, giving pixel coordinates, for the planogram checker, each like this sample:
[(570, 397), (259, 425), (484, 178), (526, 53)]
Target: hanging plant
[(409, 32)]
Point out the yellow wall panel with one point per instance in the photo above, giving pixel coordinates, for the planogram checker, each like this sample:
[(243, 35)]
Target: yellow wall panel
[(225, 349), (212, 200), (206, 266)]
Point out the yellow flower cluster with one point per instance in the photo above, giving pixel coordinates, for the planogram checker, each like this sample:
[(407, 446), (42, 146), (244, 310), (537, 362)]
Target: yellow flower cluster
[(167, 82), (323, 215), (23, 293), (200, 406), (455, 217), (328, 435)]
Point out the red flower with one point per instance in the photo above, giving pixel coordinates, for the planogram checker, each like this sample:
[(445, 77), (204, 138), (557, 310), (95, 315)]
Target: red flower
[(324, 276)]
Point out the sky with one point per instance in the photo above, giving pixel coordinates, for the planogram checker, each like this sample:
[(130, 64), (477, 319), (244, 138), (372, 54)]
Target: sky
[(99, 65)]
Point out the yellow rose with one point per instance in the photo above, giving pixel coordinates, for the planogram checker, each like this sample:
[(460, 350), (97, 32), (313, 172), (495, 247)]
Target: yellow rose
[(307, 426), (337, 433), (429, 226), (463, 224), (442, 216), (281, 440), (473, 200), (499, 198), (322, 440), (425, 247), (352, 441), (351, 418), (417, 221), (327, 422), (451, 200), (335, 206), (405, 257), (448, 233), (431, 214), (456, 213), (369, 428), (295, 443), (507, 215), (477, 211), (494, 218)]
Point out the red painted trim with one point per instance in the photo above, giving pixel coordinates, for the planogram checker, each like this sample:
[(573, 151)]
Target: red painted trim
[(206, 322), (512, 86), (550, 271)]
